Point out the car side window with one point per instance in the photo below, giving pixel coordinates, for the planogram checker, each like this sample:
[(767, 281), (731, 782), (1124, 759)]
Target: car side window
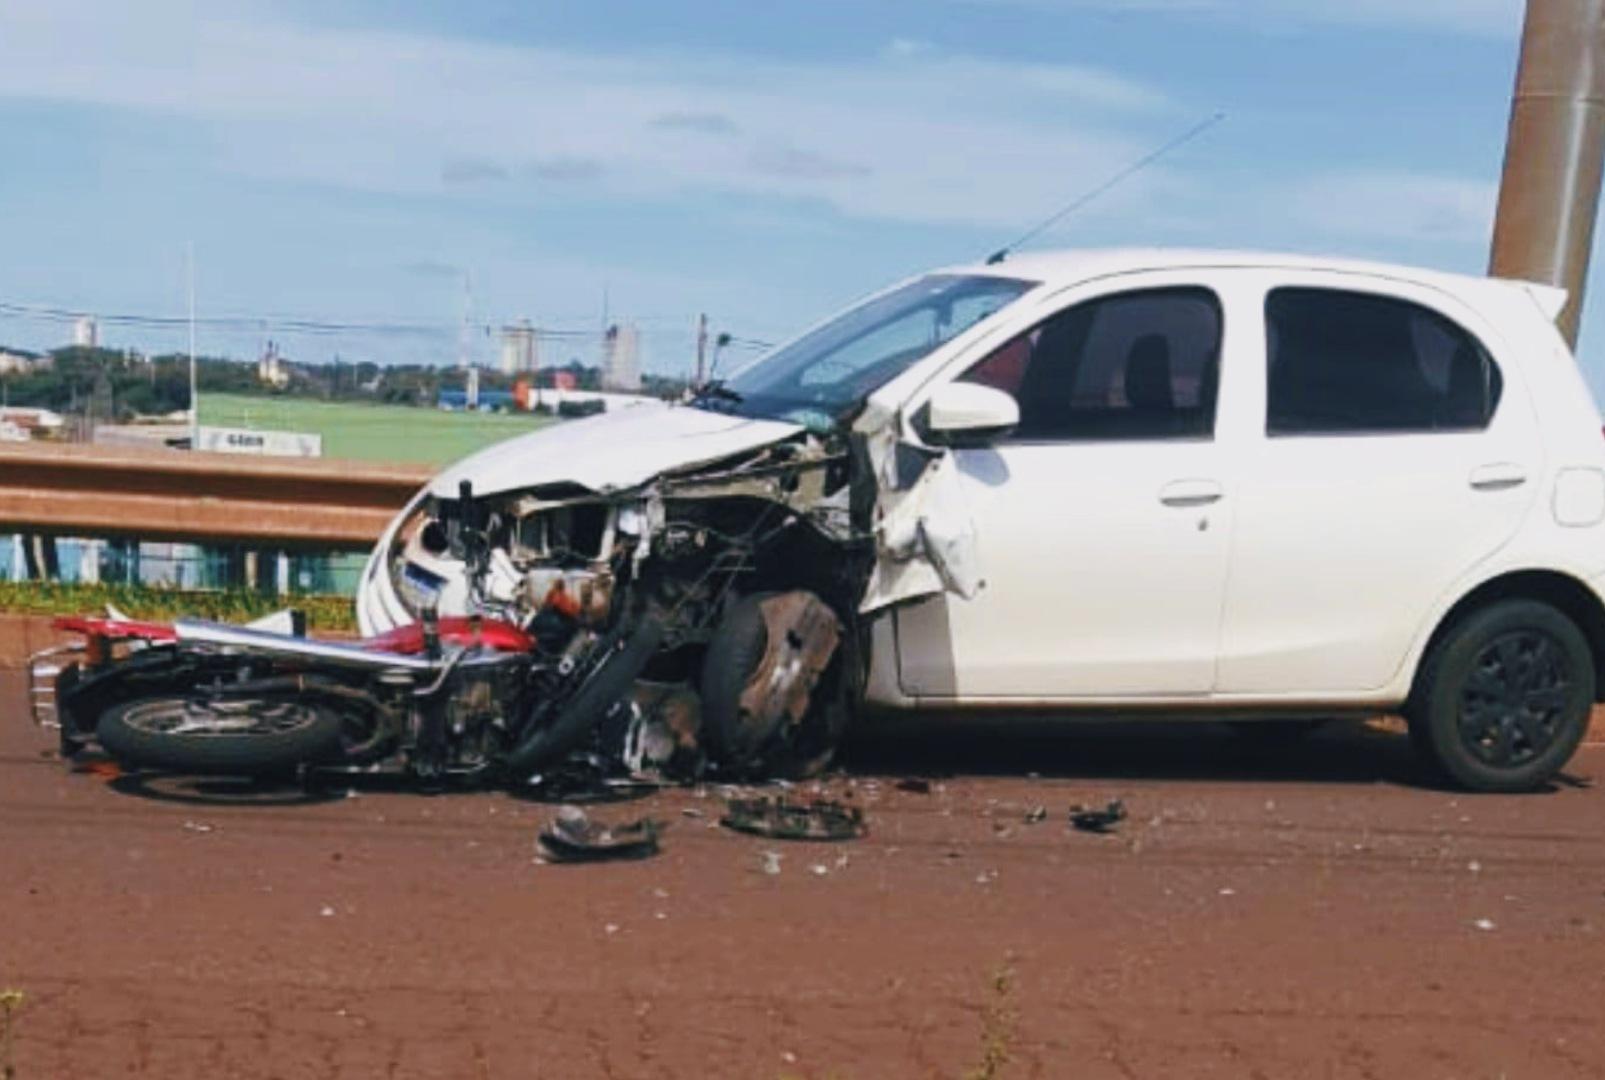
[(1139, 365), (1344, 362)]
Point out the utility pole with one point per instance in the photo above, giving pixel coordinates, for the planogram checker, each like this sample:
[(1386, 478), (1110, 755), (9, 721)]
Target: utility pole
[(702, 350), (1549, 194), (194, 382)]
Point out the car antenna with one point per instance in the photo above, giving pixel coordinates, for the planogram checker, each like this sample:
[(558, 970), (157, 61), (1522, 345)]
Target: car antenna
[(1130, 170)]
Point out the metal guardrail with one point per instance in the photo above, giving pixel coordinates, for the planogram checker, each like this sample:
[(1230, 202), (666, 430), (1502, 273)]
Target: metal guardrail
[(73, 490)]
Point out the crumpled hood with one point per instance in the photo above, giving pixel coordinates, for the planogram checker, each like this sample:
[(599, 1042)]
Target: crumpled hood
[(616, 450)]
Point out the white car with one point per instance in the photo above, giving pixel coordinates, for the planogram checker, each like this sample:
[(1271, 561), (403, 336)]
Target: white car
[(1207, 484)]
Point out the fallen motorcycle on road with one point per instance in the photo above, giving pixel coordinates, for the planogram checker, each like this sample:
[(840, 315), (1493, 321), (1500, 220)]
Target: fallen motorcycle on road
[(742, 685)]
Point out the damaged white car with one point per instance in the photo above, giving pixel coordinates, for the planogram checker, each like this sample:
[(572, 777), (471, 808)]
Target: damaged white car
[(1170, 483)]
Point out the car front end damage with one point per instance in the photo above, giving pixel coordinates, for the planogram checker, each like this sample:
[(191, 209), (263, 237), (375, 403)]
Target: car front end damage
[(743, 584), (784, 526)]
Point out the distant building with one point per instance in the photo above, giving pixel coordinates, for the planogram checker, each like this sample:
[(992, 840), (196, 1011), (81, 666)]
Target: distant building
[(621, 359), (16, 362), (271, 369), (86, 333), (520, 350), (564, 380), (34, 422), (486, 401)]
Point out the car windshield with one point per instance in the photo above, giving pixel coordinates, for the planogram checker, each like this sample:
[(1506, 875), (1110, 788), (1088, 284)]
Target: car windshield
[(822, 378)]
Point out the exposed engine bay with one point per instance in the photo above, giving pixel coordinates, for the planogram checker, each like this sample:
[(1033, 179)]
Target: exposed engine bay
[(752, 567)]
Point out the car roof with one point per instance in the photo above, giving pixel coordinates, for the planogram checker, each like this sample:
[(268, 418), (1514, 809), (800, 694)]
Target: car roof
[(1071, 265)]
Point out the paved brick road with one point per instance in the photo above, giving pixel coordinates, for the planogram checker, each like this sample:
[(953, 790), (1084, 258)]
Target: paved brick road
[(1302, 912)]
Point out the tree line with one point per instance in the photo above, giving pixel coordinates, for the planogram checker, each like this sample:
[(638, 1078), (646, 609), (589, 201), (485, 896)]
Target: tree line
[(111, 385)]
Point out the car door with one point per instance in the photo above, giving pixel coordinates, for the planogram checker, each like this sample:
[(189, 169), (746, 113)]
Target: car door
[(1103, 522), (1394, 455)]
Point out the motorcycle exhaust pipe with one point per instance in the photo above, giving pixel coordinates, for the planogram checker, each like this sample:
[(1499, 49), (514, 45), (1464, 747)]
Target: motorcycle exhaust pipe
[(263, 643)]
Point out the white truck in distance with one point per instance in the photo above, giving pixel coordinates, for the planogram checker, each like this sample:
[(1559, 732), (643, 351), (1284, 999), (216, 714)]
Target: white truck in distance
[(1207, 484)]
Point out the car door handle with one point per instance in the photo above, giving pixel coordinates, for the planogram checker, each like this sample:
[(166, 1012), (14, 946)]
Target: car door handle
[(1498, 477), (1190, 493)]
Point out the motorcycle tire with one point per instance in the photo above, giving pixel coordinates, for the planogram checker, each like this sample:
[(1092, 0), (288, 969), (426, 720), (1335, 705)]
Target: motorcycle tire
[(609, 684), (228, 737)]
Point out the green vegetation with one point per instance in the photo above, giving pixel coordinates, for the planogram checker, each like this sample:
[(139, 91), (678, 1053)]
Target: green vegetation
[(329, 613), (10, 1002), (371, 432), (999, 1019)]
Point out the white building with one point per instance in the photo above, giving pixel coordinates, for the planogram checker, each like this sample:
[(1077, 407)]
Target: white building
[(86, 333), (270, 369), (621, 359), (18, 363), (520, 349)]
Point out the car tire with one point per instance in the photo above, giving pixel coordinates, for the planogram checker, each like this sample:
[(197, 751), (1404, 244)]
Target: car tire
[(1503, 699), (734, 653)]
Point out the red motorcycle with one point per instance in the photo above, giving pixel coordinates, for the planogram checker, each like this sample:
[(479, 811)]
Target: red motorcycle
[(457, 697)]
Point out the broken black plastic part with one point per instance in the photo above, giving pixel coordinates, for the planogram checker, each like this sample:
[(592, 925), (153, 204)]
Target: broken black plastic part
[(778, 819), (576, 838), (1091, 819)]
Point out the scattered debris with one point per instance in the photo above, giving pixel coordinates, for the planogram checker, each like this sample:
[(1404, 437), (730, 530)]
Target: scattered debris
[(1035, 814), (572, 836), (915, 785), (770, 861), (197, 826), (1228, 891), (326, 911), (1484, 924), (819, 869), (779, 819), (1090, 819)]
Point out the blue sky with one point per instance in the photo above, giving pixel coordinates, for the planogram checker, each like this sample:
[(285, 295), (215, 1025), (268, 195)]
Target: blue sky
[(761, 162)]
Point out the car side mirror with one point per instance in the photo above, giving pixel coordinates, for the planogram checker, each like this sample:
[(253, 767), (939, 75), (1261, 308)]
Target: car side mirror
[(970, 414)]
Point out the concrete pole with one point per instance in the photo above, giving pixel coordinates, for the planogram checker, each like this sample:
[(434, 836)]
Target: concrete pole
[(1549, 195)]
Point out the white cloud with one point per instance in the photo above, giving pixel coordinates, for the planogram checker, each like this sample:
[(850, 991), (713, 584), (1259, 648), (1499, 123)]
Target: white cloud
[(1496, 18), (908, 133)]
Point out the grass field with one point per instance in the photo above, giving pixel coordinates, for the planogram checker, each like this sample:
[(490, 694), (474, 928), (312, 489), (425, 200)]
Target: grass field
[(371, 432)]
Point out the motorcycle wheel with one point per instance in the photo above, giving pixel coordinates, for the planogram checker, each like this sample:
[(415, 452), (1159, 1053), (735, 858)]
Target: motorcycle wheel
[(223, 737)]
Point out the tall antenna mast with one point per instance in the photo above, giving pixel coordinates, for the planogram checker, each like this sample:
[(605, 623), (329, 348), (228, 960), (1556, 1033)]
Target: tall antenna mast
[(194, 383), (463, 345)]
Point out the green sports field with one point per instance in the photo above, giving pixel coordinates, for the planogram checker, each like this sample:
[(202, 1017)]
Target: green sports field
[(371, 432)]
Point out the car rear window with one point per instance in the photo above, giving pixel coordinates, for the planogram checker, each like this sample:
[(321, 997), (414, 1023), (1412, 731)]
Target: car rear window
[(1350, 362)]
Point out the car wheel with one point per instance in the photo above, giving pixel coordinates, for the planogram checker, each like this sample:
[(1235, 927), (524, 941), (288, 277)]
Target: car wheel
[(1503, 700), (735, 651)]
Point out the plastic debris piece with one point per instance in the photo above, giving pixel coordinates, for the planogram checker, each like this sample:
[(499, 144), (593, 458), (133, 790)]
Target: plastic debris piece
[(914, 784), (1484, 924), (1091, 819), (770, 861), (1036, 814), (779, 819), (572, 836)]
